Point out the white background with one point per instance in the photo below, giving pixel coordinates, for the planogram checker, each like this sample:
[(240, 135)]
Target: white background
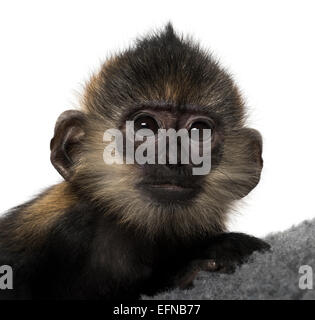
[(48, 49)]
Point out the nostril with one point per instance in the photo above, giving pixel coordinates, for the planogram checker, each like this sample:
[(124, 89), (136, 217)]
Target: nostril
[(174, 166), (178, 170)]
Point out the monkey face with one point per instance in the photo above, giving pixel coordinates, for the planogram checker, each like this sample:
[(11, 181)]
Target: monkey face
[(164, 82), (173, 179)]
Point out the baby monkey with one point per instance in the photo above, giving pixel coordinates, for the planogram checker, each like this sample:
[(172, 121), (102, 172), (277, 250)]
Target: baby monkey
[(118, 231)]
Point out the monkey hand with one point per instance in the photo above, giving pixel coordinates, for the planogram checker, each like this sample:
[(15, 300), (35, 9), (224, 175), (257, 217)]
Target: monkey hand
[(224, 253)]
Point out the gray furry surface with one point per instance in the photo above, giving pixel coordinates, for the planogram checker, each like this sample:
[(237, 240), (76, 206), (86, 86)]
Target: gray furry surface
[(271, 275)]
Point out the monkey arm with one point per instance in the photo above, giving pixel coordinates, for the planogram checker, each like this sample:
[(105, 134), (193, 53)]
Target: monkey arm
[(223, 253)]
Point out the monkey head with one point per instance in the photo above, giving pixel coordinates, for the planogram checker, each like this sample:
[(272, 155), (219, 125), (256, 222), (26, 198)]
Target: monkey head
[(164, 81)]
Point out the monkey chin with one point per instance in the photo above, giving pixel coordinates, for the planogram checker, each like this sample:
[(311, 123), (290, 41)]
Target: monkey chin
[(167, 193)]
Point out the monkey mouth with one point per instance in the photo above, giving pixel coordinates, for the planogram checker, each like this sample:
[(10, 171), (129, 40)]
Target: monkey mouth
[(168, 186), (168, 192)]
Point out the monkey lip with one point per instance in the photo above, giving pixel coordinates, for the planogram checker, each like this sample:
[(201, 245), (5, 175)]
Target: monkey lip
[(168, 192), (168, 186)]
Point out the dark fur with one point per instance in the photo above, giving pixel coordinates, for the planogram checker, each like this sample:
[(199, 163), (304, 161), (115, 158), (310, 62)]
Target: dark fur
[(97, 235)]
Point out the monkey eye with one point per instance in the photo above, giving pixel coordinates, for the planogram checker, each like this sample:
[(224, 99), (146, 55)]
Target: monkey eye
[(145, 121), (200, 125)]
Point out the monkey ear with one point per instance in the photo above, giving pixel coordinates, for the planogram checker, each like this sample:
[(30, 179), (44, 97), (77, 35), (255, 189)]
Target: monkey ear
[(254, 151), (65, 145), (255, 143)]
